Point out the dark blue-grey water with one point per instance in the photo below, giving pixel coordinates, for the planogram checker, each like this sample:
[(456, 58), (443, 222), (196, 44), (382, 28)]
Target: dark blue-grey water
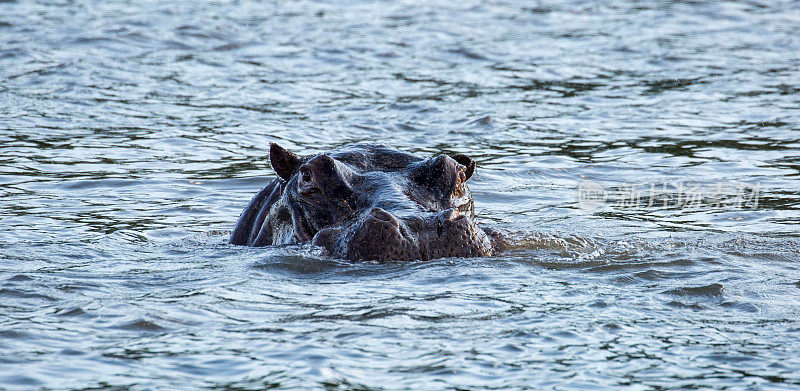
[(646, 154)]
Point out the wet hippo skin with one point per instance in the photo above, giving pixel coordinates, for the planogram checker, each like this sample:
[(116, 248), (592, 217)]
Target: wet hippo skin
[(367, 202)]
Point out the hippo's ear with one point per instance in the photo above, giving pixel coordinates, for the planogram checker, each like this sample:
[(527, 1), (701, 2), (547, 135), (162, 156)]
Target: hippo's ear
[(284, 163), (465, 161)]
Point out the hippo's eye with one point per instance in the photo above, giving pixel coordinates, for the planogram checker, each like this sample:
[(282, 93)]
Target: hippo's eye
[(306, 184), (305, 176)]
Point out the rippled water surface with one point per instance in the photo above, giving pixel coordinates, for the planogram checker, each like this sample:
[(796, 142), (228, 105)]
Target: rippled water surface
[(132, 134)]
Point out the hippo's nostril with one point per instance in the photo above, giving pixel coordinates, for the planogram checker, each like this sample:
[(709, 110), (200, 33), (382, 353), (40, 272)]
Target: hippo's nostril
[(381, 215)]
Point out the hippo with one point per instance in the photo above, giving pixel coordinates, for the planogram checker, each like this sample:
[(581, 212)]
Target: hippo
[(368, 202)]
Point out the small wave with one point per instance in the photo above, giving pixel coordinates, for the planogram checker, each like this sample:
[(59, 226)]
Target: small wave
[(72, 312), (95, 184), (745, 307), (469, 54), (712, 290), (20, 294), (140, 325), (19, 380), (19, 277), (682, 305)]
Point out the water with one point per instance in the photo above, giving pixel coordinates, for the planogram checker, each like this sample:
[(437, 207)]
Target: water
[(133, 133)]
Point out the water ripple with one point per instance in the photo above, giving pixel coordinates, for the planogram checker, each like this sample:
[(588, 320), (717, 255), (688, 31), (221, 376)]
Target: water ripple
[(133, 133)]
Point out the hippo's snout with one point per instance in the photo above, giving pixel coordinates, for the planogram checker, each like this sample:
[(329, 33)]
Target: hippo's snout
[(382, 236), (456, 235)]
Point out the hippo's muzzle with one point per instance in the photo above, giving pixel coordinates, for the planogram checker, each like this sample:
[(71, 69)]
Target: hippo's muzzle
[(381, 236)]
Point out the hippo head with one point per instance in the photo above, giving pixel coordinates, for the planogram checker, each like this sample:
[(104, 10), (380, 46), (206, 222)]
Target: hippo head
[(367, 202)]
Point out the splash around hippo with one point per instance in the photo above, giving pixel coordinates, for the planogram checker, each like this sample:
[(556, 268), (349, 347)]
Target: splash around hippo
[(368, 202)]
